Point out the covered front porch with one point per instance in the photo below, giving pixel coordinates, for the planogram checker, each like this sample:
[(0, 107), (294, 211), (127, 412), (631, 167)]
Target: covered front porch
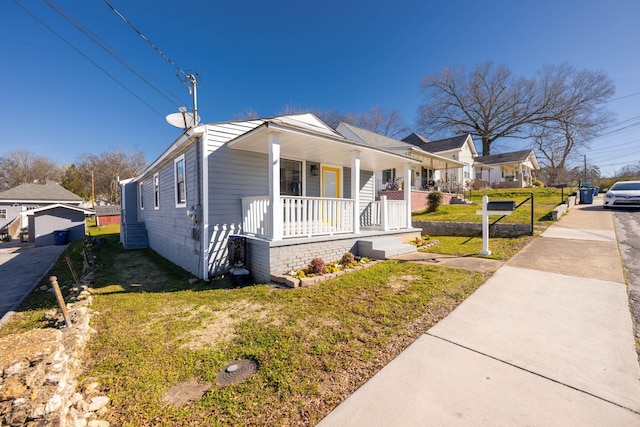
[(320, 184)]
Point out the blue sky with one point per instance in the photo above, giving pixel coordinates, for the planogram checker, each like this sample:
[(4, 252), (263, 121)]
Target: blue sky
[(266, 55)]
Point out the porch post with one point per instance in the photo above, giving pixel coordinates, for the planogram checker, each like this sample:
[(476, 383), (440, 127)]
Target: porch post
[(407, 191), (275, 214), (355, 189)]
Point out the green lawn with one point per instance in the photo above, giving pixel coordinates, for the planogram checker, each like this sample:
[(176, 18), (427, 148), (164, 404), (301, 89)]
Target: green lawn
[(545, 200), (314, 346)]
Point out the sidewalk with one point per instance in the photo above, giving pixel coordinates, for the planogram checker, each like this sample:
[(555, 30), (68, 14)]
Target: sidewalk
[(546, 341)]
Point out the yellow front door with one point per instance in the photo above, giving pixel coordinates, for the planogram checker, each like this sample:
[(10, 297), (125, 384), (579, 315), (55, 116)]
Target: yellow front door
[(331, 184)]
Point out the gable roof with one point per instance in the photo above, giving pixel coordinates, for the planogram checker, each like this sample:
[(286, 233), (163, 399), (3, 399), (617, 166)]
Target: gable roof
[(440, 145), (512, 157), (59, 205), (305, 136), (50, 192)]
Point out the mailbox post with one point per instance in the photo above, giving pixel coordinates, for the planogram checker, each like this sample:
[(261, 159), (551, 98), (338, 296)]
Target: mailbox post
[(502, 207)]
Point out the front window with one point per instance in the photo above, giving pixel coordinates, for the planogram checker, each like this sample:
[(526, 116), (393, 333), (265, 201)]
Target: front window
[(3, 214), (181, 191), (290, 177)]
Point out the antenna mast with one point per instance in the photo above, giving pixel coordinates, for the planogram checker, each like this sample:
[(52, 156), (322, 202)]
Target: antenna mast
[(193, 91)]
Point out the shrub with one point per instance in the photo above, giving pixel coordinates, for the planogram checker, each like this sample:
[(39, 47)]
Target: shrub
[(317, 266), (347, 260), (537, 183), (435, 200)]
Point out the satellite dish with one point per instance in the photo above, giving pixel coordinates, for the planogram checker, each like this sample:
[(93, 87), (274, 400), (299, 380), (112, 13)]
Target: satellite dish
[(183, 120)]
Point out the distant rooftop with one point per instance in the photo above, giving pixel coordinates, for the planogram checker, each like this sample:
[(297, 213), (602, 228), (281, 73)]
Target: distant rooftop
[(50, 192)]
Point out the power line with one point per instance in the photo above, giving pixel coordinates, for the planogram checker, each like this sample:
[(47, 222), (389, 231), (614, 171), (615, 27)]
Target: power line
[(625, 96), (87, 58), (146, 39), (110, 50)]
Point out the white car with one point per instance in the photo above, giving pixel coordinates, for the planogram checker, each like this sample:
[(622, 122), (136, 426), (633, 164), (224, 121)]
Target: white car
[(623, 194)]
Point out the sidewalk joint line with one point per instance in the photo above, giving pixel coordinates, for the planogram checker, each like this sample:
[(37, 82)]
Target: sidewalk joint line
[(532, 372)]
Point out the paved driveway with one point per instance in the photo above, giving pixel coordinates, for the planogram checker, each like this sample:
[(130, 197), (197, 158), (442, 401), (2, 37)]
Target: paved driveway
[(22, 267)]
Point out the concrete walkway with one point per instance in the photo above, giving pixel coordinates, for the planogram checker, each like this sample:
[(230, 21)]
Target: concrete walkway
[(22, 267), (546, 341)]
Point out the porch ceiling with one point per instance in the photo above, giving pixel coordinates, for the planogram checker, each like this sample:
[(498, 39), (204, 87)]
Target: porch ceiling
[(434, 161), (303, 144)]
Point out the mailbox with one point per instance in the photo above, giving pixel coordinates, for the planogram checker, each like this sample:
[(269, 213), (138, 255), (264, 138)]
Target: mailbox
[(501, 205)]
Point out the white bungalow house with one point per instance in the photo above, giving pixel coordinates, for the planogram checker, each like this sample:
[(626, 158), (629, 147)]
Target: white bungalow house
[(422, 174), (514, 170), (292, 186), (459, 148)]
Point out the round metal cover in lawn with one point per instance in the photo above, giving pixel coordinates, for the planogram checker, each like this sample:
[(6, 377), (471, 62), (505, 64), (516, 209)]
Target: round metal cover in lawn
[(236, 371)]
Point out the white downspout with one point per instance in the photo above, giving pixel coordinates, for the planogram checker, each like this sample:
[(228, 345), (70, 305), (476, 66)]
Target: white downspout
[(204, 238)]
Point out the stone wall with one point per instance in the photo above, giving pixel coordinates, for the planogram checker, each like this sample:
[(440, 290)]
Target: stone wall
[(438, 228), (38, 371)]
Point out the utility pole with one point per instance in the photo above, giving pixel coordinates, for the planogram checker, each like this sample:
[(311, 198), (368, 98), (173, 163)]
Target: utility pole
[(93, 191), (585, 168)]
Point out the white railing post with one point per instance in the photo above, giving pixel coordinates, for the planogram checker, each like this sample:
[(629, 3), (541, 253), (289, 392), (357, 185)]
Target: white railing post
[(275, 206), (355, 190), (407, 193), (384, 213)]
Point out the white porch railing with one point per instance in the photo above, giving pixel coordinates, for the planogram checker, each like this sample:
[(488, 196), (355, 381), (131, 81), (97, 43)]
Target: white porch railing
[(387, 214), (317, 216)]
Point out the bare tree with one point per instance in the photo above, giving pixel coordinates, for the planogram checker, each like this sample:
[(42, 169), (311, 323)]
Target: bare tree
[(580, 116), (24, 167), (107, 168), (248, 114), (376, 120), (492, 103)]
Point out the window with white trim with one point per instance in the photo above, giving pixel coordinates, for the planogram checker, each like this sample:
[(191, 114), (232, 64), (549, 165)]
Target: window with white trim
[(141, 192), (180, 181), (156, 191), (290, 177), (3, 214)]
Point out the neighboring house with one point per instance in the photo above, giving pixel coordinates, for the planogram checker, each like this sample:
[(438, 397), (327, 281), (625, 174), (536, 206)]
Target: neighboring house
[(292, 186), (515, 170), (424, 175), (459, 148), (17, 201), (45, 221), (107, 215)]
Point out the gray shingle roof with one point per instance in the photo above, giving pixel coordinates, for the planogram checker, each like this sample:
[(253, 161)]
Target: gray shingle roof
[(513, 157), (437, 146), (49, 192), (375, 139), (107, 210)]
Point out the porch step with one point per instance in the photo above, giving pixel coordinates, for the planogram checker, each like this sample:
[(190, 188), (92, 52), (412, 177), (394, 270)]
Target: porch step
[(135, 236), (383, 248), (455, 200)]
